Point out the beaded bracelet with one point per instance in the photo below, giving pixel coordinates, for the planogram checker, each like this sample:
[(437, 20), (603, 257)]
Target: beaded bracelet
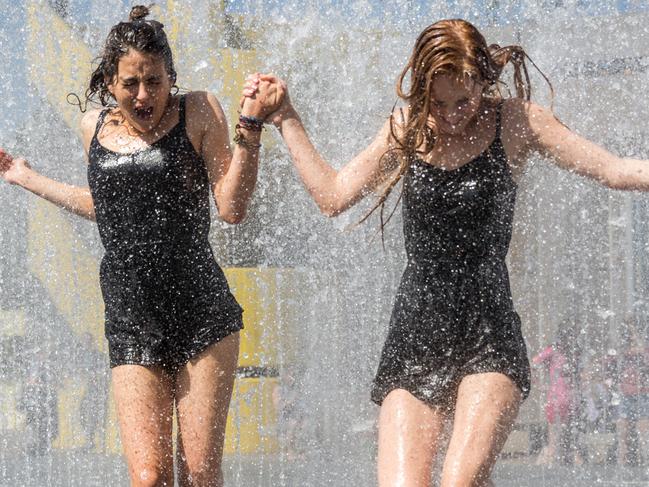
[(251, 123), (252, 128), (239, 139)]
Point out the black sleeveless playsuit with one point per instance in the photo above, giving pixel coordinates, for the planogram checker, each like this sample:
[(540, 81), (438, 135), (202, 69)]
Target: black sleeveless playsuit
[(166, 299), (454, 314)]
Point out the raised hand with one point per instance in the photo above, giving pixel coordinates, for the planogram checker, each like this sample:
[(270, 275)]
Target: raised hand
[(13, 170), (268, 91), (262, 95)]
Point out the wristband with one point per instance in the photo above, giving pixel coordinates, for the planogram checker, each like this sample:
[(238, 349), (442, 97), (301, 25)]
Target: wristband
[(239, 139), (251, 123)]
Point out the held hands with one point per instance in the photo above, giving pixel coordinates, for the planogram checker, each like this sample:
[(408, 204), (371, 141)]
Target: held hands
[(266, 95), (12, 170)]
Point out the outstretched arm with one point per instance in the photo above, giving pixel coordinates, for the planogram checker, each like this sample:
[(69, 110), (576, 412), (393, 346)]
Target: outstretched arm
[(336, 191), (545, 134), (77, 200), (333, 191)]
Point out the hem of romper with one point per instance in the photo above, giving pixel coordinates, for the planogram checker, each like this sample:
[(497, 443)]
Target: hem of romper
[(521, 384), (209, 338), (379, 393), (204, 340)]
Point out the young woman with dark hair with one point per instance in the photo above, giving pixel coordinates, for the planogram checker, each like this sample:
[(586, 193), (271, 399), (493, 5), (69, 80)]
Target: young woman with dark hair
[(454, 351), (171, 322)]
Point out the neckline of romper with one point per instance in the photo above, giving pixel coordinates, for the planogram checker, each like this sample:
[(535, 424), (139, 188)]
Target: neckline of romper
[(172, 130), (489, 149)]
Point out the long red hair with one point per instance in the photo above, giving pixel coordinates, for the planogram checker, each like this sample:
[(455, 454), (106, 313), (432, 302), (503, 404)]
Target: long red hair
[(454, 47)]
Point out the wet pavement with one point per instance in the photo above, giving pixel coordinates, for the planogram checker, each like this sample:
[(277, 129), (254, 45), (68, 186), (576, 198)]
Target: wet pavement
[(80, 468)]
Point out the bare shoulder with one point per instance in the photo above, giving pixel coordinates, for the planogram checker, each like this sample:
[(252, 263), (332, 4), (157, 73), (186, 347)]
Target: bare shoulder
[(516, 132), (521, 115), (203, 115), (203, 106), (400, 116), (88, 126), (206, 125), (396, 123), (89, 121), (515, 115), (388, 140)]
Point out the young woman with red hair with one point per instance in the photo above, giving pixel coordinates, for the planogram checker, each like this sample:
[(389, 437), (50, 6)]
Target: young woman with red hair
[(454, 351)]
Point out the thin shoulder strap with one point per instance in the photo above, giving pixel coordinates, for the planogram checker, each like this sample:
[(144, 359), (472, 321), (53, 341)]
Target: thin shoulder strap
[(499, 109), (181, 110), (100, 120)]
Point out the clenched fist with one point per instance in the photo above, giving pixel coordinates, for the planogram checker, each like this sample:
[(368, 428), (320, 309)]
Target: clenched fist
[(12, 170)]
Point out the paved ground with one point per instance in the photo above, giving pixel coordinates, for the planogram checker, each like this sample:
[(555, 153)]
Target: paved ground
[(523, 474), (71, 469)]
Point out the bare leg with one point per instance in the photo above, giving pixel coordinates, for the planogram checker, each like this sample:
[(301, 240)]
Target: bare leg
[(409, 436), (485, 411), (144, 398), (204, 389)]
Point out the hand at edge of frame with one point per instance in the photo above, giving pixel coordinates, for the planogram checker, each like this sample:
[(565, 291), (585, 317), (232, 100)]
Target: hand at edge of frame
[(12, 170)]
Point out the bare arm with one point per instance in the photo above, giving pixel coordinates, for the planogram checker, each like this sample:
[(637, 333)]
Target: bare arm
[(543, 133), (336, 191), (75, 199), (232, 174), (333, 191)]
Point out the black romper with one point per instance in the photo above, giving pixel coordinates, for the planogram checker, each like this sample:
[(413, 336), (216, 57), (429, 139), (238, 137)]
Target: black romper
[(454, 314), (166, 299)]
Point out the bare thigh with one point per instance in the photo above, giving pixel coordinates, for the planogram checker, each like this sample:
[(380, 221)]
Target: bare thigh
[(485, 411), (204, 389), (144, 399), (410, 433)]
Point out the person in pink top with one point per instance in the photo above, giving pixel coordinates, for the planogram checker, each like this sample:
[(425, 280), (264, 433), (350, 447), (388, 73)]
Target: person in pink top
[(561, 360)]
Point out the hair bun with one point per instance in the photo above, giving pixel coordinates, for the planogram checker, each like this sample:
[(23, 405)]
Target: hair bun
[(139, 12)]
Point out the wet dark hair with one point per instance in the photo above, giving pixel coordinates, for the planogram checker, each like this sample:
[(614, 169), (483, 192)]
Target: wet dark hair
[(145, 36)]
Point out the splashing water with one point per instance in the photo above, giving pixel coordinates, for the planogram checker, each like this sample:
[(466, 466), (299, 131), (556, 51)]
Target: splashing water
[(317, 294)]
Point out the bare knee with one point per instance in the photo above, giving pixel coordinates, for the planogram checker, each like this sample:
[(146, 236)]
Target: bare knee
[(202, 479), (201, 472), (457, 476), (150, 476)]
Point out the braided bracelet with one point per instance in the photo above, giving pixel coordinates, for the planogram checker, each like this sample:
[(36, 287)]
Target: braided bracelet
[(251, 123), (252, 128), (239, 139)]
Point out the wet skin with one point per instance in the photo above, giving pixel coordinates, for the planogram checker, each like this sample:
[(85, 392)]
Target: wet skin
[(455, 103), (465, 122), (142, 89)]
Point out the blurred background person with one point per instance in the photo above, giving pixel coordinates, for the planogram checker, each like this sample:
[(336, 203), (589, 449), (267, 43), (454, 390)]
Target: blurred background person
[(633, 423), (561, 360)]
